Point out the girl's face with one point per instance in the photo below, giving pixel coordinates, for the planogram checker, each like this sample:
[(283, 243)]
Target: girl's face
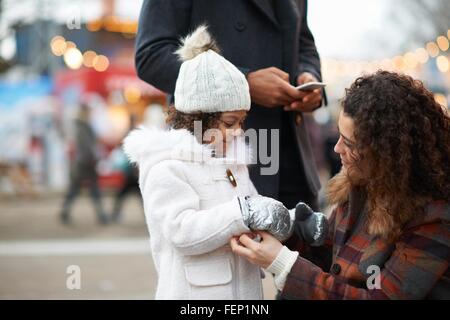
[(230, 126), (351, 160)]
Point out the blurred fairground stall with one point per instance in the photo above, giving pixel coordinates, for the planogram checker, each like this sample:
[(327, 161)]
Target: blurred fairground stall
[(57, 63)]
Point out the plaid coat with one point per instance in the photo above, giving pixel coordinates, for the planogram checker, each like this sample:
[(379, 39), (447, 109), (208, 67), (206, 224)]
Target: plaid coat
[(416, 266)]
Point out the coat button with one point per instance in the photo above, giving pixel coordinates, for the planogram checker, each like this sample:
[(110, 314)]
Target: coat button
[(298, 119), (336, 268), (239, 25)]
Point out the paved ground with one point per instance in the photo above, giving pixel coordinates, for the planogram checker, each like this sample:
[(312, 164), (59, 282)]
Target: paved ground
[(36, 250)]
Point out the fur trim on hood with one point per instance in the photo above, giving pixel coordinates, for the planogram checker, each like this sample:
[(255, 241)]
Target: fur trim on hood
[(152, 145)]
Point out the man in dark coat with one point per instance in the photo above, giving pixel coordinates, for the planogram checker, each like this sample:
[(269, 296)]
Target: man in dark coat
[(270, 42)]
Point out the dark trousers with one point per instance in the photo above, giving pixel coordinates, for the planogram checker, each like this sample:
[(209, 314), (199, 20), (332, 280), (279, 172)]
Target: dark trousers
[(131, 185), (79, 176)]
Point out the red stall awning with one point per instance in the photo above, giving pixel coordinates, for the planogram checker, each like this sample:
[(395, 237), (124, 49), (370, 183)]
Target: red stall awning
[(114, 78)]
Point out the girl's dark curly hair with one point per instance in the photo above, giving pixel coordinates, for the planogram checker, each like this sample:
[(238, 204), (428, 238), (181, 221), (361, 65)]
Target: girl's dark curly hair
[(404, 135), (180, 120)]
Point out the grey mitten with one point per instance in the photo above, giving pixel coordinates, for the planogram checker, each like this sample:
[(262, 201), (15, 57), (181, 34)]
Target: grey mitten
[(263, 213), (311, 226)]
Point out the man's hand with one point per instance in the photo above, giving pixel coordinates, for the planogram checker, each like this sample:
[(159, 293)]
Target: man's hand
[(270, 87), (309, 100), (261, 254)]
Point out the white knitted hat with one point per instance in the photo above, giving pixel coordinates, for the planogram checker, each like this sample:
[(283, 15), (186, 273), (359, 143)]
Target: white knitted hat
[(207, 82)]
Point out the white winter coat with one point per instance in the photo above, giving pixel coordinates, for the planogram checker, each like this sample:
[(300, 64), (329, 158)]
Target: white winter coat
[(192, 212)]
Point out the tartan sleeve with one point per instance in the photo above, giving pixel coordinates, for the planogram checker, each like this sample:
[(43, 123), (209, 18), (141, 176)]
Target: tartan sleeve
[(420, 258)]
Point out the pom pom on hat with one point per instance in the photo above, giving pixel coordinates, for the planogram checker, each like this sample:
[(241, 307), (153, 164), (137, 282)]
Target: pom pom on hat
[(196, 43)]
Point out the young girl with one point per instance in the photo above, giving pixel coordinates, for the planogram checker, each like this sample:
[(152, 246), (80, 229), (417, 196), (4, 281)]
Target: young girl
[(196, 189)]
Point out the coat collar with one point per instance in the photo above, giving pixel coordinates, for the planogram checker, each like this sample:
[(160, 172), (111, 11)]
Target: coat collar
[(265, 8), (284, 15), (150, 146), (354, 209)]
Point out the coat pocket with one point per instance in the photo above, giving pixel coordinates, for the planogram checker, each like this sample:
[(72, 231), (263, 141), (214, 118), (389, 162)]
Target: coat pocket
[(210, 280)]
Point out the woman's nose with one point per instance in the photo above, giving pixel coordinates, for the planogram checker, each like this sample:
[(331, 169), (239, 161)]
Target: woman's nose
[(338, 146)]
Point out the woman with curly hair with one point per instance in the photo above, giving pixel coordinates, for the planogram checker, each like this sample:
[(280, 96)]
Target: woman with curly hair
[(389, 235)]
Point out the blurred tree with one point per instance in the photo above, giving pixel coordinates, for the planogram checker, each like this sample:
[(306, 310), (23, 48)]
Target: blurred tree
[(422, 20)]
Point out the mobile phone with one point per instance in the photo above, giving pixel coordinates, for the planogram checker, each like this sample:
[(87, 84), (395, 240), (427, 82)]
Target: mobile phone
[(309, 86)]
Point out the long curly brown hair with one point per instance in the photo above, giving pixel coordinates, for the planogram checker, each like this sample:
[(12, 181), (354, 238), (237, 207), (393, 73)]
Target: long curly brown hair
[(404, 135)]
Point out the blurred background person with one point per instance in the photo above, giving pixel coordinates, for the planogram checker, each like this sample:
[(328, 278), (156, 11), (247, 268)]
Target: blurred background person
[(83, 167), (130, 173)]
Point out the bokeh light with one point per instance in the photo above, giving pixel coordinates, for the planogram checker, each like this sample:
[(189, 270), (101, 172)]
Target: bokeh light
[(73, 58), (442, 64), (433, 49), (100, 63), (58, 45), (88, 58), (442, 43), (132, 94), (422, 55)]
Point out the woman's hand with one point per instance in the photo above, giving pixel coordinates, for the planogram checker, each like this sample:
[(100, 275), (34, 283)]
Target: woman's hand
[(261, 254)]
